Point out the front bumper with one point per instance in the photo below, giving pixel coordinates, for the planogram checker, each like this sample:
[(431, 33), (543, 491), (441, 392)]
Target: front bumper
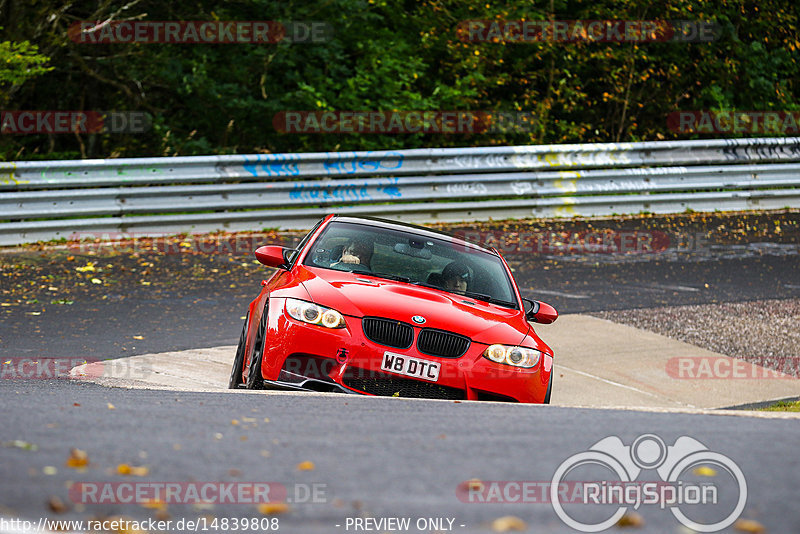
[(302, 356)]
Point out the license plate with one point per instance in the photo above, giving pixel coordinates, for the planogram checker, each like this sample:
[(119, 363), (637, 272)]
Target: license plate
[(411, 366)]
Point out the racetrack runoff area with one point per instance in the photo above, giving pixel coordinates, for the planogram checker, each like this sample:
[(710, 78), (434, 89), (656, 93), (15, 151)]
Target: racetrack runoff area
[(608, 365)]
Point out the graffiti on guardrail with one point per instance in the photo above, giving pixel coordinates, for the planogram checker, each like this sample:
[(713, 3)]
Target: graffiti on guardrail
[(762, 151), (515, 182), (273, 165), (355, 162)]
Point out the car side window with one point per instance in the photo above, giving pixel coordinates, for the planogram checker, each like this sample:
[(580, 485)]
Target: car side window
[(296, 252)]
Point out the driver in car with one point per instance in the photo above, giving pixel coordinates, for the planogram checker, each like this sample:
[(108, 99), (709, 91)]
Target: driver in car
[(356, 251), (455, 276)]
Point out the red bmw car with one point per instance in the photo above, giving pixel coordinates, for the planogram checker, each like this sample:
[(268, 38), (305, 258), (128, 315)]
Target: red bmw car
[(377, 307)]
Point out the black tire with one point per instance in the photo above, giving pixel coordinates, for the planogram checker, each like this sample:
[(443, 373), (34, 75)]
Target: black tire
[(235, 381), (254, 378), (549, 388)]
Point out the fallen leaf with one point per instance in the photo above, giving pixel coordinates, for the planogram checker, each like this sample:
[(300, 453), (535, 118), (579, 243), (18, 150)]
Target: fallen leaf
[(473, 484), (154, 504), (19, 444), (96, 281), (56, 505), (111, 406), (631, 519), (305, 466), (704, 471), (125, 525), (162, 515), (138, 337), (126, 469), (273, 508), (507, 523), (77, 459), (749, 525), (49, 470)]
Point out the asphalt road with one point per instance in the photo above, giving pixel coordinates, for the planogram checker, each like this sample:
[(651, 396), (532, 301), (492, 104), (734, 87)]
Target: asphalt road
[(107, 321), (372, 457)]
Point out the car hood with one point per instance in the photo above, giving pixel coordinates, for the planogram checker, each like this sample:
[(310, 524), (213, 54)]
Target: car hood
[(358, 295)]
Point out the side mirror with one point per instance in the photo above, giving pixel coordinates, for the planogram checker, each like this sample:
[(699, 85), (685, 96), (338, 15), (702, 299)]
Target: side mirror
[(539, 312), (274, 256)]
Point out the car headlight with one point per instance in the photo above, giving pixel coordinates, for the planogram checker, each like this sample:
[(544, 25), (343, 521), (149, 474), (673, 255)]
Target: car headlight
[(511, 355), (308, 312)]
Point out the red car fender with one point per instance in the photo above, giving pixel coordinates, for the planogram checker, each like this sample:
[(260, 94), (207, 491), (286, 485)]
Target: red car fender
[(290, 287), (545, 365)]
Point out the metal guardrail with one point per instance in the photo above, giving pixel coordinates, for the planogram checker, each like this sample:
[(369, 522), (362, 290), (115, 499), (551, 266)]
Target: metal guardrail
[(159, 196)]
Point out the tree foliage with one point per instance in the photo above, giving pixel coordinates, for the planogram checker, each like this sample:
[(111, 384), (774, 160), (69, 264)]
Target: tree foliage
[(387, 55)]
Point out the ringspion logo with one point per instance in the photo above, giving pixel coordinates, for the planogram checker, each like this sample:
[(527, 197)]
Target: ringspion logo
[(691, 478)]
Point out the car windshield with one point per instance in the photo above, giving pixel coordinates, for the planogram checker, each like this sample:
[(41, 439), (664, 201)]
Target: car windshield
[(413, 258)]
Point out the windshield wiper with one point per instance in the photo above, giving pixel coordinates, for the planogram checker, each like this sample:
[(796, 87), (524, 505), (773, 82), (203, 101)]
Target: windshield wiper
[(488, 298), (424, 284), (388, 276), (471, 294)]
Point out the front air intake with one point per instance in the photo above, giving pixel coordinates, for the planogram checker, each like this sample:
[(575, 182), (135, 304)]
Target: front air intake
[(388, 332)]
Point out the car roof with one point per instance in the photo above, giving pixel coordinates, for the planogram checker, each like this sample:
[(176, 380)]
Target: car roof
[(419, 230)]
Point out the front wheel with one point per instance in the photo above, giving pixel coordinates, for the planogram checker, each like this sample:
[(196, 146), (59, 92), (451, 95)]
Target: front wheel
[(235, 381), (254, 378), (549, 388)]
